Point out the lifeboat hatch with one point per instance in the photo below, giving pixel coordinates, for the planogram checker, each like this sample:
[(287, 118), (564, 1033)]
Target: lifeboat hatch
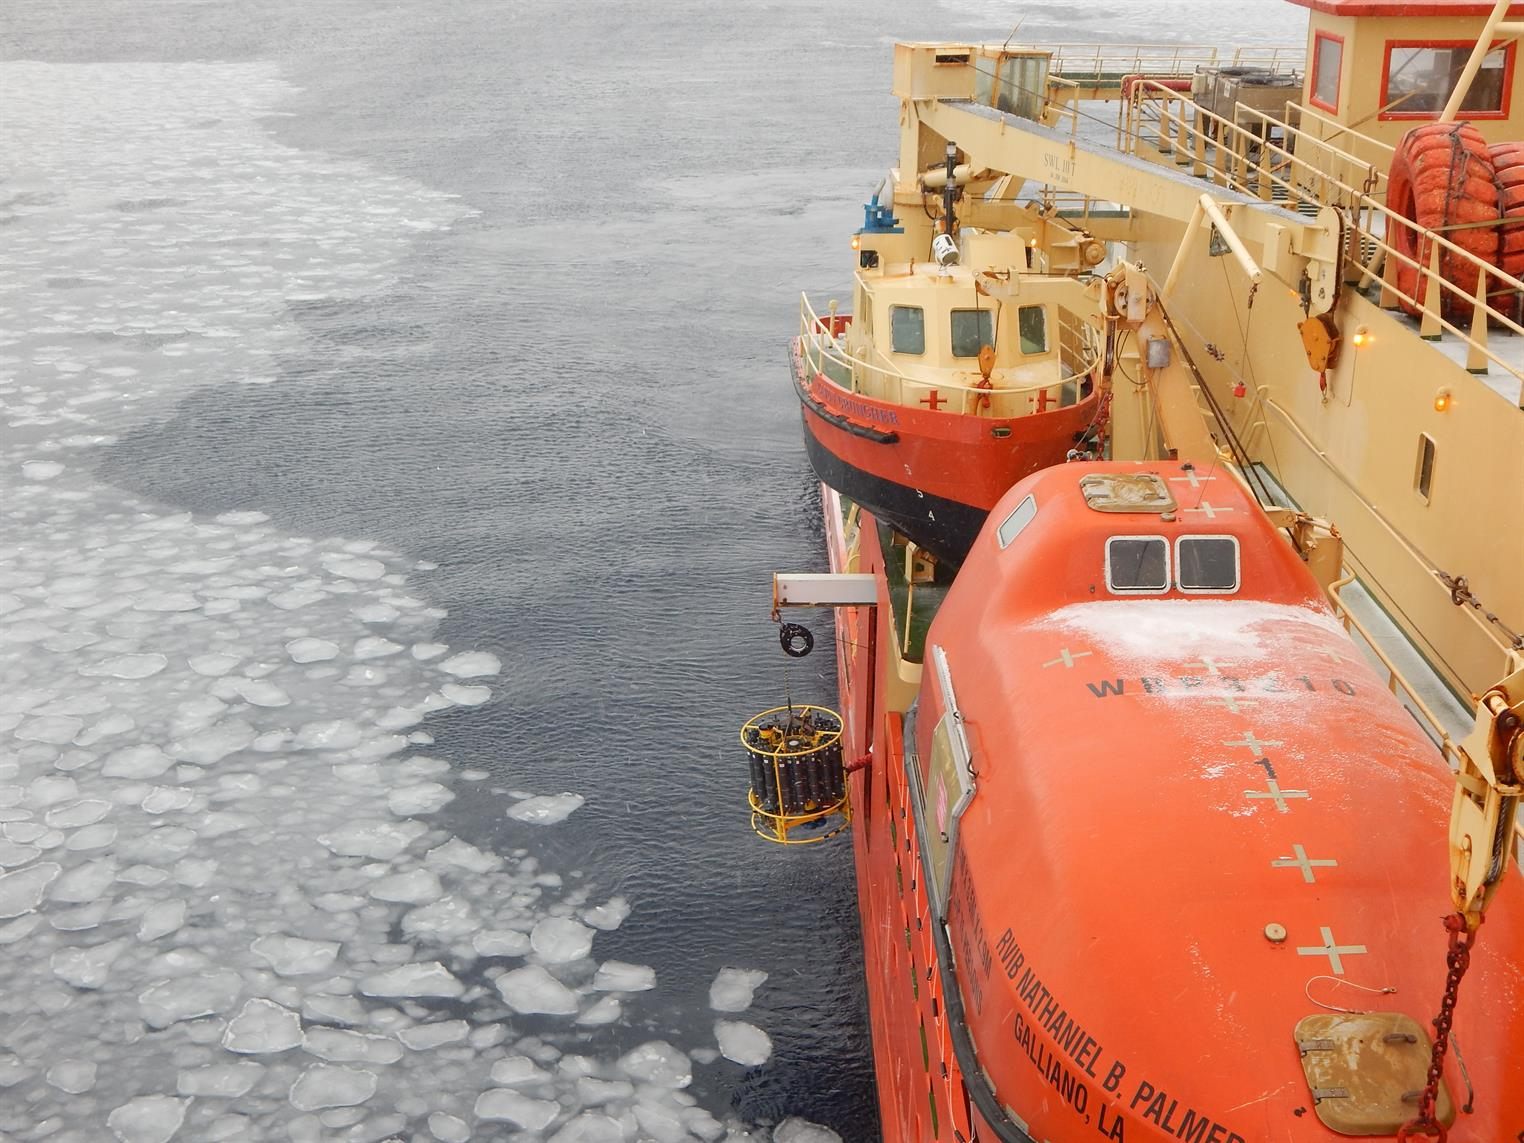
[(1366, 1070), (1126, 492)]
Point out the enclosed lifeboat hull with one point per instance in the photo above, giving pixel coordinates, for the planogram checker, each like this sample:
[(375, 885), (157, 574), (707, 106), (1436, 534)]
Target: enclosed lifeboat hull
[(1195, 823), (933, 475)]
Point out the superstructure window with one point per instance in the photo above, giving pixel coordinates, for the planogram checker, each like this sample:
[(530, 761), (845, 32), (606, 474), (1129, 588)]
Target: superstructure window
[(972, 330), (907, 329), (1420, 75), (1206, 564), (1327, 63), (1423, 475), (1032, 325), (1137, 565), (1013, 525)]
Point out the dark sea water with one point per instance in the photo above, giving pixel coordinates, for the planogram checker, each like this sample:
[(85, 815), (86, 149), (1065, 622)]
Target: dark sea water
[(547, 356)]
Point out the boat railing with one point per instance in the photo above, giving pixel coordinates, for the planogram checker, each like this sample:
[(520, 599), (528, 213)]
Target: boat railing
[(1264, 156), (822, 344), (1112, 61)]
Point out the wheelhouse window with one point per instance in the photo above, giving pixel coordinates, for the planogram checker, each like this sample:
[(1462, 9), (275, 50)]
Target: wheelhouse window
[(972, 330), (1032, 326), (1420, 75), (1137, 565), (1327, 64), (907, 329), (1207, 564)]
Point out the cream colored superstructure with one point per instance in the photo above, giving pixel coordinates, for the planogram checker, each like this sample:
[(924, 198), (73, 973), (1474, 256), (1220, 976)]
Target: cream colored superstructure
[(1411, 442), (1364, 44)]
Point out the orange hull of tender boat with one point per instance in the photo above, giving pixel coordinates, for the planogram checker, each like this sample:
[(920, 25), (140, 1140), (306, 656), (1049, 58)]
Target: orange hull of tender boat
[(933, 476), (1196, 819)]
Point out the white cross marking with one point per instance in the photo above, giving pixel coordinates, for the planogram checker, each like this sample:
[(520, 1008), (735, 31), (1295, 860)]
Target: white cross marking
[(1191, 478), (1303, 862), (1333, 952), (1233, 703), (1250, 742), (1066, 657), (1208, 663), (1277, 795), (1210, 510)]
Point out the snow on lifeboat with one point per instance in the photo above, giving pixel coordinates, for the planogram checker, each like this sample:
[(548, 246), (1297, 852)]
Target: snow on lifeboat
[(1189, 852), (958, 373)]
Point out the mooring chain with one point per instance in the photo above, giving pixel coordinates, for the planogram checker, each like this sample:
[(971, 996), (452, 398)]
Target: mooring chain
[(1426, 1124)]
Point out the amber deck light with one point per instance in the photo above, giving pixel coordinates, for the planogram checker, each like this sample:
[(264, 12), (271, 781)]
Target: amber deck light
[(1442, 400)]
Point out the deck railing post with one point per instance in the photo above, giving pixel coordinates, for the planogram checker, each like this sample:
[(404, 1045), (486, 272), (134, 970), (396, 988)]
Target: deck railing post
[(1388, 265), (1476, 352), (1432, 286), (1263, 177)]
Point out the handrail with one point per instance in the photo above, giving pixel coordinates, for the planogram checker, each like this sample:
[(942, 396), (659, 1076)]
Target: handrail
[(1177, 59), (1394, 676), (1307, 112), (1251, 162), (1393, 532), (819, 346)]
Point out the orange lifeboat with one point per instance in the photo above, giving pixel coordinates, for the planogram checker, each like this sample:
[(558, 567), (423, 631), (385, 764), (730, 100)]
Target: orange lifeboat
[(1155, 855)]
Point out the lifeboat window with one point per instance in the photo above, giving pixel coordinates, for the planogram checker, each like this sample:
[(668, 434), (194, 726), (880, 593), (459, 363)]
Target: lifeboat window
[(1137, 565), (1032, 325), (1206, 564), (1327, 62), (907, 329), (1419, 77), (1013, 525), (972, 330)]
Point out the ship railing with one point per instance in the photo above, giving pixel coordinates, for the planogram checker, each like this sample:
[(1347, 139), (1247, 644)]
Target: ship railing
[(1396, 681), (1332, 129), (1266, 157), (1097, 62), (1254, 152), (1075, 206), (822, 345)]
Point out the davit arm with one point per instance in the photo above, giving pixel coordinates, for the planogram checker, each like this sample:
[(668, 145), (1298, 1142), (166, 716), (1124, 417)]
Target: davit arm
[(1489, 784)]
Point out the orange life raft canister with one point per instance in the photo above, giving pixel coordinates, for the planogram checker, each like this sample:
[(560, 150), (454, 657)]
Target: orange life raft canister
[(1443, 179)]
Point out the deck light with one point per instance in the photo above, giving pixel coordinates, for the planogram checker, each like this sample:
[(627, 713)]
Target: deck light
[(1442, 400), (857, 241), (1361, 337)]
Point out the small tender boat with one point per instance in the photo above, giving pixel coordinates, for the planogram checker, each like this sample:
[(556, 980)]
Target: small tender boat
[(958, 373)]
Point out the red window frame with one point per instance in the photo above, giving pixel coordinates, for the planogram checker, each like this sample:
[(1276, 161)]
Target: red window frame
[(1312, 75), (1419, 116)]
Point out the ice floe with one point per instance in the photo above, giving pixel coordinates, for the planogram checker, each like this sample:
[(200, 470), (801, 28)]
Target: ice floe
[(796, 1130), (743, 1043), (733, 989), (546, 809), (532, 989)]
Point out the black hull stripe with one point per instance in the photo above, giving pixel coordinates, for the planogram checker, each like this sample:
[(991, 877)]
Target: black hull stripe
[(945, 528)]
